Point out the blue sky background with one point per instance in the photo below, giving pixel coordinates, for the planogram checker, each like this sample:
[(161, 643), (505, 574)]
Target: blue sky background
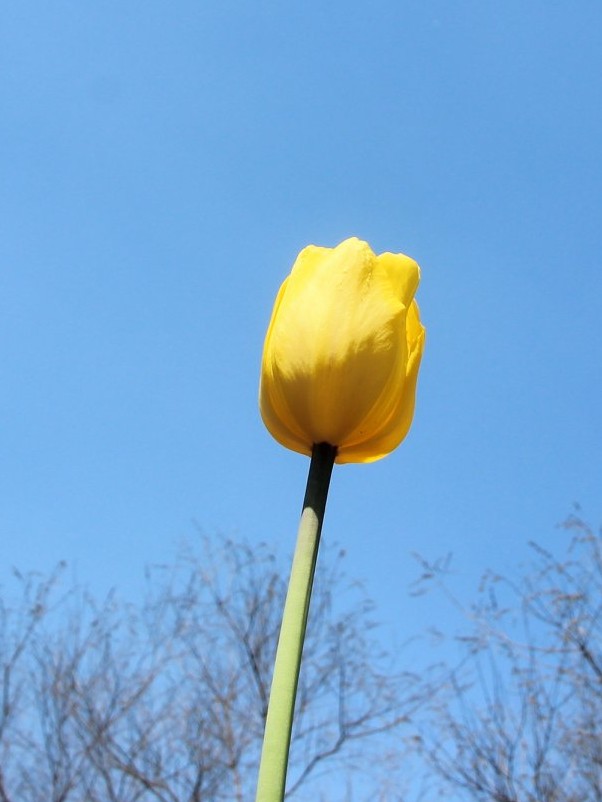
[(162, 165)]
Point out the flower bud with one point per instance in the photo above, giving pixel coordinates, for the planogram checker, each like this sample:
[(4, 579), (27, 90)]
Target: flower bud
[(342, 352)]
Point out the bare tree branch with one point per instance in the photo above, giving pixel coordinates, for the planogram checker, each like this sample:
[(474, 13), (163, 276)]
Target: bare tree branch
[(166, 701), (520, 718)]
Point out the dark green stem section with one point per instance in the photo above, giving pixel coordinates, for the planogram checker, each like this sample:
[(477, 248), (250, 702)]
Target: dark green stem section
[(279, 722)]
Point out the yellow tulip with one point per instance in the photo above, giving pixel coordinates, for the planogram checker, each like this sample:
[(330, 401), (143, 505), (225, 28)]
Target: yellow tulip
[(342, 352)]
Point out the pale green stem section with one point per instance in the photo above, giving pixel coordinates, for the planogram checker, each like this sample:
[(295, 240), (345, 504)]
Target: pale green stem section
[(279, 722)]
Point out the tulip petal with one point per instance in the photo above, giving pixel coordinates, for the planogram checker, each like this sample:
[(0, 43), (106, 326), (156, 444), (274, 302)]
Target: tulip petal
[(395, 427), (274, 409), (404, 275)]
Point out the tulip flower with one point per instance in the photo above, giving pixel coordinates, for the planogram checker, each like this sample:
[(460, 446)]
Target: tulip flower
[(342, 352), (338, 381)]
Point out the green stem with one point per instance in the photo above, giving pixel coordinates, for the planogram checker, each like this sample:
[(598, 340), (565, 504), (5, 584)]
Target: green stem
[(277, 735)]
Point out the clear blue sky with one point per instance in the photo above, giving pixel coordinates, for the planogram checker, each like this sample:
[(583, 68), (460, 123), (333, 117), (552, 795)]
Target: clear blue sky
[(162, 165)]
